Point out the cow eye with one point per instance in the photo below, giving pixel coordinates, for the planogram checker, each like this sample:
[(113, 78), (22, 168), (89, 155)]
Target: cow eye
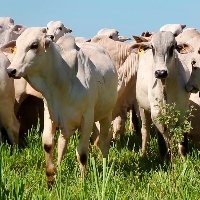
[(60, 28), (34, 45), (110, 37), (47, 28)]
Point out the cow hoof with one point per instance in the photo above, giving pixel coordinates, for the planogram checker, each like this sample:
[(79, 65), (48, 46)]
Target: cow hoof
[(183, 150), (50, 182)]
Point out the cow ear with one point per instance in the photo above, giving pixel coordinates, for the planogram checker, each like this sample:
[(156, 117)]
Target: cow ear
[(147, 34), (88, 40), (183, 26), (9, 48), (184, 48), (67, 30), (18, 29), (139, 48), (44, 30), (140, 39)]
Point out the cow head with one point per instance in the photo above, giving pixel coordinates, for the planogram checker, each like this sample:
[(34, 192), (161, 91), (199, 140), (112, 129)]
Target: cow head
[(176, 29), (113, 34), (193, 85), (163, 46), (30, 48), (8, 30), (56, 29)]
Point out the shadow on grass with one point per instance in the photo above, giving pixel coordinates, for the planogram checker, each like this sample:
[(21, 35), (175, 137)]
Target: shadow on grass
[(133, 162)]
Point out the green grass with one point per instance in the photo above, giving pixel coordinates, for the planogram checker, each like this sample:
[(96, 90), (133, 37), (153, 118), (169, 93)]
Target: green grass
[(125, 175)]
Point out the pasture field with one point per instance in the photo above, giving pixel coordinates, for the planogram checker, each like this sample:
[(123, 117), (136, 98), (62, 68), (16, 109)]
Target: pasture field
[(124, 176)]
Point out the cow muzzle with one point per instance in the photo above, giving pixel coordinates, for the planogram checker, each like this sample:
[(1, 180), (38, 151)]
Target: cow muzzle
[(161, 74), (51, 37), (191, 88), (12, 72)]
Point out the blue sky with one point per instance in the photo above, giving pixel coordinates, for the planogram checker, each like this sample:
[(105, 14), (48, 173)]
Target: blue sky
[(86, 17)]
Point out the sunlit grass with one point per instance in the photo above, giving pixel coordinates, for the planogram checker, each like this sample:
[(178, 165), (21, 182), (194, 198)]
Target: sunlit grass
[(125, 175)]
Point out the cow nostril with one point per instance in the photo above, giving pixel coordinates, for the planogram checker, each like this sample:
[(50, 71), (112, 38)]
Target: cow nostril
[(11, 72), (156, 73), (193, 62), (51, 37), (161, 73)]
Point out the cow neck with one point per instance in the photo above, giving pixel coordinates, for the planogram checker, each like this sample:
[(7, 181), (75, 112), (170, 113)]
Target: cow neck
[(127, 72), (55, 78), (170, 85), (122, 54), (159, 91), (118, 51), (173, 81), (166, 86)]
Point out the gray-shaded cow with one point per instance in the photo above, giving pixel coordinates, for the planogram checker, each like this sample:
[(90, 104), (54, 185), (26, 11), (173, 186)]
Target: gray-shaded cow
[(7, 100), (161, 79), (192, 60)]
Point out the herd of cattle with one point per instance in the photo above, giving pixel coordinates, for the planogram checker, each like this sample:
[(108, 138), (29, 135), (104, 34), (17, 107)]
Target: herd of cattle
[(90, 84)]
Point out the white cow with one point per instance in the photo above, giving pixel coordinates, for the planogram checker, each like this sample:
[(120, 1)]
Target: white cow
[(7, 100), (193, 85), (176, 29), (77, 92), (56, 29), (192, 60), (126, 64), (9, 31), (81, 40), (113, 34), (161, 79)]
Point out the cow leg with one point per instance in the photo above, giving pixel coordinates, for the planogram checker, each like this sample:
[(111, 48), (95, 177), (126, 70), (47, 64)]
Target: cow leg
[(82, 148), (48, 144), (162, 147), (105, 135), (10, 123), (183, 146), (131, 125), (19, 99), (13, 130), (119, 125), (163, 135), (145, 129), (1, 135), (134, 121), (62, 143), (95, 134)]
